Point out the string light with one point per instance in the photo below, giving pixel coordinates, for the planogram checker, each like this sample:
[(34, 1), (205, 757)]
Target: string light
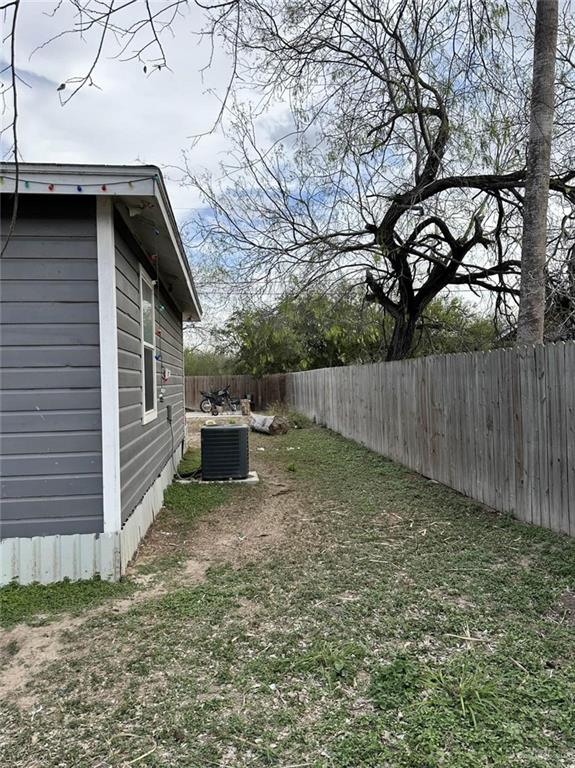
[(50, 185)]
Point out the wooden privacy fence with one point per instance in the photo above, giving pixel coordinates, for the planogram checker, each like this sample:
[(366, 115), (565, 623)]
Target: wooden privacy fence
[(264, 392), (497, 426)]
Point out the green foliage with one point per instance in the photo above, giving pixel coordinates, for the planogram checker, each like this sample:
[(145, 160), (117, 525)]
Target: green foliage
[(198, 363), (395, 684), (20, 603), (452, 326), (312, 330), (315, 330)]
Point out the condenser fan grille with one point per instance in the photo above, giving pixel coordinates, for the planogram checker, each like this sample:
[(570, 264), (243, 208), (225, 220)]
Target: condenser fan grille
[(225, 452)]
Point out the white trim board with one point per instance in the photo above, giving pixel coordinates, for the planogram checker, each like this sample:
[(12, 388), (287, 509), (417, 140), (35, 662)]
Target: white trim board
[(109, 389)]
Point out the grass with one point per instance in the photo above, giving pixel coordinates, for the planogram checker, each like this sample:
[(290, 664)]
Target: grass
[(39, 603), (404, 626)]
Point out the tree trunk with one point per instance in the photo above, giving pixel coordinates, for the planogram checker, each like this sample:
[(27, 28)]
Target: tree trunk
[(532, 300), (402, 338)]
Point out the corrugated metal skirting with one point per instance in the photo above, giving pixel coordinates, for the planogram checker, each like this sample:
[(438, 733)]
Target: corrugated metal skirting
[(46, 559)]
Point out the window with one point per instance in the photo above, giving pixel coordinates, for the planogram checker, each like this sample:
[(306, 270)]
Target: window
[(148, 330)]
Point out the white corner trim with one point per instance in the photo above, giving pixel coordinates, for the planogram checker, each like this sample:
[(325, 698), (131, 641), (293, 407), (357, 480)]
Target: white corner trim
[(108, 365)]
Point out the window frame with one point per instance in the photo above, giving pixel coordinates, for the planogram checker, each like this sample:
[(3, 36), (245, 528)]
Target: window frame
[(152, 414)]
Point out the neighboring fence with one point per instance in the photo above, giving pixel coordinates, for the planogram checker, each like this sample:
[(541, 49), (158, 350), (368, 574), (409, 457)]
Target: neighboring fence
[(264, 392), (497, 426)]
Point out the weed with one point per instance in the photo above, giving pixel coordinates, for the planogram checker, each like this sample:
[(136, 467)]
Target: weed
[(395, 685), (20, 603)]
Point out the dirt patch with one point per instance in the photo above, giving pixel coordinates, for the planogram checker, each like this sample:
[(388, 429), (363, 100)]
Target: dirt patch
[(247, 608), (36, 646), (564, 611), (238, 533), (25, 650)]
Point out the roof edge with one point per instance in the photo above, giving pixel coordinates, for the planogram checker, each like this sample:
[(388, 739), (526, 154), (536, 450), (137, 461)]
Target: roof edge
[(130, 174)]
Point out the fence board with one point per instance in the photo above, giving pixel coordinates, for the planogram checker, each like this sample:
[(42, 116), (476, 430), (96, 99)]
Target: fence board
[(264, 391), (497, 426)]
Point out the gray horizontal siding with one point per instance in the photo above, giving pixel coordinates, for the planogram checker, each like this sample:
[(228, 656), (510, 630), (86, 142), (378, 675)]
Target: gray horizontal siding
[(49, 312), (79, 514), (50, 419), (50, 378), (50, 356), (52, 464), (52, 442), (59, 290), (22, 334), (144, 448), (54, 269), (49, 486), (48, 399)]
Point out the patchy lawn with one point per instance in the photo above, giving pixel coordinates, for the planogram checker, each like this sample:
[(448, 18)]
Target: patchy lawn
[(345, 612)]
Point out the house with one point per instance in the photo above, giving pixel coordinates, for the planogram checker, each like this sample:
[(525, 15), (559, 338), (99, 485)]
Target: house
[(95, 287)]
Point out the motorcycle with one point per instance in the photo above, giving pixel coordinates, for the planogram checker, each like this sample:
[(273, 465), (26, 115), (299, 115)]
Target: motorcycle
[(211, 401)]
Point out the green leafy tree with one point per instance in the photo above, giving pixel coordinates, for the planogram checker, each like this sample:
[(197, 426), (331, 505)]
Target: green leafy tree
[(314, 330), (198, 363), (450, 325)]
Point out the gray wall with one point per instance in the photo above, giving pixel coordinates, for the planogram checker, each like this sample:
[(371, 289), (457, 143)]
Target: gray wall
[(50, 451), (144, 448)]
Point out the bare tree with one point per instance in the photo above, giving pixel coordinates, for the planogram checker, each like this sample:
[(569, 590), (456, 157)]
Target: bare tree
[(134, 30), (403, 167), (532, 303)]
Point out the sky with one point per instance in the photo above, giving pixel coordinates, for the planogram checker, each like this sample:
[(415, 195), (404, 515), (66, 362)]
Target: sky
[(129, 116)]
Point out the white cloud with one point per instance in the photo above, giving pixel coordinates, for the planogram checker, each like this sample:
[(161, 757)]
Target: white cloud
[(135, 116)]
